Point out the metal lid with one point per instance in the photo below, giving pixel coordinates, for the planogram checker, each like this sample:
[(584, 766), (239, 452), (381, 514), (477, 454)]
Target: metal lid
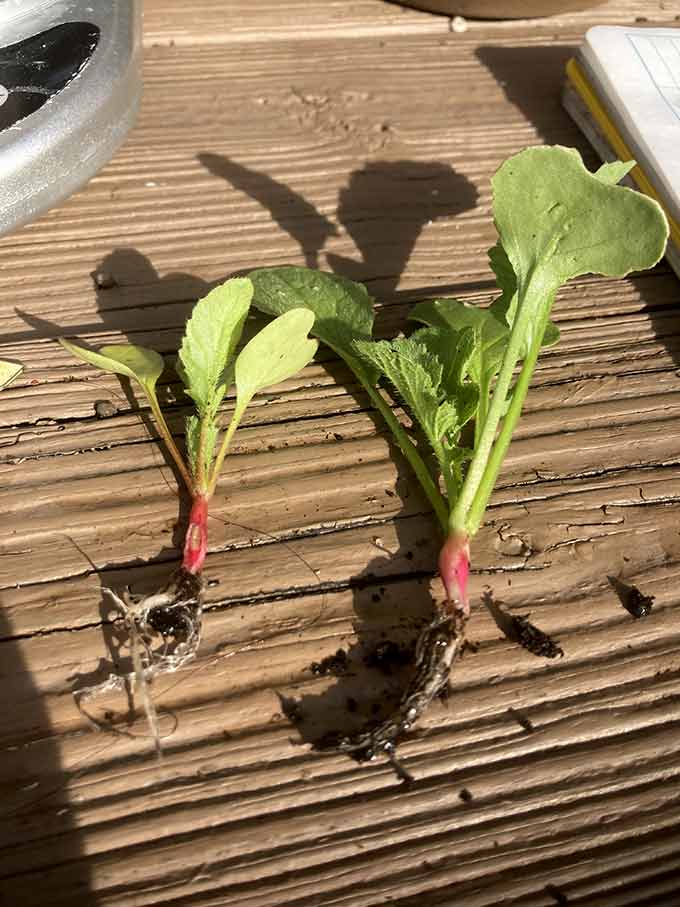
[(70, 86)]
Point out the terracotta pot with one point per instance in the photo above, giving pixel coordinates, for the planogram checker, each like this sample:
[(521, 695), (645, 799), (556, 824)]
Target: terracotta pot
[(502, 9)]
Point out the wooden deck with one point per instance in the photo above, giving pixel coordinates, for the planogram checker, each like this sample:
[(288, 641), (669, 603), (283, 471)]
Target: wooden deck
[(360, 137)]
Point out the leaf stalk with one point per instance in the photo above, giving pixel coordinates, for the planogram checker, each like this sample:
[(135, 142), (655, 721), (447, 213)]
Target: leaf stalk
[(224, 447), (166, 434), (410, 451)]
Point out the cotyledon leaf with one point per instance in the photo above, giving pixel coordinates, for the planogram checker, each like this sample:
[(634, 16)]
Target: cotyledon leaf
[(144, 365), (280, 350), (343, 310)]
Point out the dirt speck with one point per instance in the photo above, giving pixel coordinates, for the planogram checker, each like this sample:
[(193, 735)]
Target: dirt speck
[(519, 629), (533, 639), (103, 280), (635, 603), (337, 665), (522, 719), (104, 409)]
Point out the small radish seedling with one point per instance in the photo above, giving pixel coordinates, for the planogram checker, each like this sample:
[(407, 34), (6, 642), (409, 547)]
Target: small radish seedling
[(207, 366), (464, 376)]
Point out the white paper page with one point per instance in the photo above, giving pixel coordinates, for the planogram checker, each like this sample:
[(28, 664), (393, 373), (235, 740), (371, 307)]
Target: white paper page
[(637, 74)]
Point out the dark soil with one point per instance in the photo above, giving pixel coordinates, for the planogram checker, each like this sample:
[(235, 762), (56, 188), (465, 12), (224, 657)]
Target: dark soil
[(388, 656), (534, 640), (335, 665), (519, 629), (635, 603)]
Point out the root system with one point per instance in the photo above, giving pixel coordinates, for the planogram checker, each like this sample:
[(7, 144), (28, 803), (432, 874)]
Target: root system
[(436, 649), (163, 634)]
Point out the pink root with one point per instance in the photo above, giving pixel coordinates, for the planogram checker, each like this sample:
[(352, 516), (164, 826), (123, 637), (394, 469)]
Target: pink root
[(454, 567), (196, 540)]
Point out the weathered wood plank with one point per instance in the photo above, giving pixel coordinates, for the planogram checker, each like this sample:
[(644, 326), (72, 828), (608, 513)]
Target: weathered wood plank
[(360, 137), (474, 744), (179, 223), (300, 20)]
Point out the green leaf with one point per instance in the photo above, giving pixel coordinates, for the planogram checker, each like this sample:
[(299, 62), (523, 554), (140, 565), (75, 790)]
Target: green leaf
[(343, 313), (144, 365), (614, 171), (490, 334), (457, 354), (416, 373), (343, 310), (556, 220), (9, 371), (505, 307), (278, 352), (209, 342)]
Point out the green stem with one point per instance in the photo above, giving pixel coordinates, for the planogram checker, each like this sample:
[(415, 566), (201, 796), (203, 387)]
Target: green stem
[(166, 434), (483, 407), (477, 473), (201, 476), (495, 461), (224, 447), (485, 439), (409, 450)]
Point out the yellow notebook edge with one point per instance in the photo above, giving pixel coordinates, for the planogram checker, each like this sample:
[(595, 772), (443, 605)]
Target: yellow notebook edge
[(579, 82)]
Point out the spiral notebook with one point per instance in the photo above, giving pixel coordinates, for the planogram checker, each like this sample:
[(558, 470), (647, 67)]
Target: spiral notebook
[(623, 90)]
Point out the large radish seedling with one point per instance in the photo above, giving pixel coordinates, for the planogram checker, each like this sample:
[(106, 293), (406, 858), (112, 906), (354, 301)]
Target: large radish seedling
[(463, 376)]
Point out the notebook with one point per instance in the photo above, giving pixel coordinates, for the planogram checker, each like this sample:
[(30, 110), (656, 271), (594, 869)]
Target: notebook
[(623, 90)]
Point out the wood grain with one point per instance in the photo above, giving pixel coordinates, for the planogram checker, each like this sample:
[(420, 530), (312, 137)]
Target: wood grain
[(360, 137)]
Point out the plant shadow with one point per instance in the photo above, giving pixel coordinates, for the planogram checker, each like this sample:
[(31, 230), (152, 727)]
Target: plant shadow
[(363, 682), (383, 209), (290, 210)]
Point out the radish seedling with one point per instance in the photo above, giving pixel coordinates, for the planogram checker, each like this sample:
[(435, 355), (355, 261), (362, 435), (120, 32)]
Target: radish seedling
[(464, 376), (207, 366)]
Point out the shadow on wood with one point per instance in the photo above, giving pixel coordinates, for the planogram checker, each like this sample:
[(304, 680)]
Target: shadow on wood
[(383, 207), (36, 797)]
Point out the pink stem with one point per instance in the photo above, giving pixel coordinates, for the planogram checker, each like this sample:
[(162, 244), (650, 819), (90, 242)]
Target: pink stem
[(454, 567), (196, 540)]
